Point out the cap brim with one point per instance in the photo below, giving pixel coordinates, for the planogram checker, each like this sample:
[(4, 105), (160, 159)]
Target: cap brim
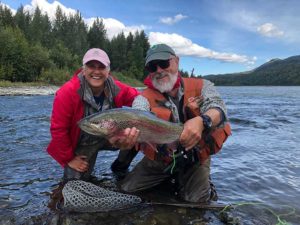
[(158, 56), (95, 59)]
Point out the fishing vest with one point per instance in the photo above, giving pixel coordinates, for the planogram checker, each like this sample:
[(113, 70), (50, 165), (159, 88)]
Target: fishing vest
[(210, 143)]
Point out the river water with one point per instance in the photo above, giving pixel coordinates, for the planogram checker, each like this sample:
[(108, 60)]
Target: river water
[(258, 170)]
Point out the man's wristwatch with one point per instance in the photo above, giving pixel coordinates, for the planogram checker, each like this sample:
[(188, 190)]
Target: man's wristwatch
[(207, 122)]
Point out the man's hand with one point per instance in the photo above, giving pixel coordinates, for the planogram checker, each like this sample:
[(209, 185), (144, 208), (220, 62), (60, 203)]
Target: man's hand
[(192, 132), (126, 140), (79, 163)]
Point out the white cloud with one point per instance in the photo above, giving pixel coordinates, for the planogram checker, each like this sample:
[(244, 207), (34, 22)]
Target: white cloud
[(246, 16), (185, 47), (270, 30), (182, 45), (170, 20), (115, 27), (49, 8), (112, 26), (7, 6)]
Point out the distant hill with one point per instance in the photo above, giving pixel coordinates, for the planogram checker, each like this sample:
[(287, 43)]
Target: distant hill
[(284, 72)]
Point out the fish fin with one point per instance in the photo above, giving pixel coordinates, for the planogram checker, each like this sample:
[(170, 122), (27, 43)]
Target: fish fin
[(150, 113), (148, 149), (126, 107), (150, 145)]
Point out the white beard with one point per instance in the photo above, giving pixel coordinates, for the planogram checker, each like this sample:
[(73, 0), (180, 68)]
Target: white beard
[(164, 86)]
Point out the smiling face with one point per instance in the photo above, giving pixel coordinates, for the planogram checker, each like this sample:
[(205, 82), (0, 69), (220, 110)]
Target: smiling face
[(96, 74), (164, 79)]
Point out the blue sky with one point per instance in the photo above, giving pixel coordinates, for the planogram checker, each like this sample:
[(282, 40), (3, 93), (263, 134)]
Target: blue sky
[(213, 37)]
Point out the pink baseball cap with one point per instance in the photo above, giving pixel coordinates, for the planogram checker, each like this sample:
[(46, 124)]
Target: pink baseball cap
[(96, 54)]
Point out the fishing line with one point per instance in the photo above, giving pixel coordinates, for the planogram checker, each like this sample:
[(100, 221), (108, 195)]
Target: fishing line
[(174, 162), (280, 221)]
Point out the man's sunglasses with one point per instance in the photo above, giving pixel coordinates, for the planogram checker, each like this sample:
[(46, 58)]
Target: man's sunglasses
[(152, 66)]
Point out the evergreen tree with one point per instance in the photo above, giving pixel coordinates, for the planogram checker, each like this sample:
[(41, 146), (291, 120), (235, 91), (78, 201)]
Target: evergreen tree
[(118, 52), (6, 18), (184, 73), (33, 48), (40, 29), (129, 41), (141, 47), (137, 60), (76, 34), (59, 25), (37, 59), (13, 55), (47, 38), (22, 20), (35, 28), (97, 35), (144, 42), (62, 57), (72, 31)]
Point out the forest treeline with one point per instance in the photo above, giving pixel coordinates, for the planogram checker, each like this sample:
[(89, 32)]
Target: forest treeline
[(276, 72), (33, 48)]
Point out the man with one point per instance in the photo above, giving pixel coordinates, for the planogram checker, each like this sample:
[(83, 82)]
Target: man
[(90, 90), (196, 104)]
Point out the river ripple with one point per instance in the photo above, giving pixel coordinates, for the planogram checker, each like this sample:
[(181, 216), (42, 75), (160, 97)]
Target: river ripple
[(259, 163)]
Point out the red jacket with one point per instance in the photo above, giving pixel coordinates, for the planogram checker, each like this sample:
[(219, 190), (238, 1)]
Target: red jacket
[(68, 109)]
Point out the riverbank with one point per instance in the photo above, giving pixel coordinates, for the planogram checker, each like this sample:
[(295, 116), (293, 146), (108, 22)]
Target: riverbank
[(32, 90), (28, 90)]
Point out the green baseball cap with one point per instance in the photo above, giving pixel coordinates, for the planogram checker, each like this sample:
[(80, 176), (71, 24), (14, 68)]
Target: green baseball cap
[(159, 52)]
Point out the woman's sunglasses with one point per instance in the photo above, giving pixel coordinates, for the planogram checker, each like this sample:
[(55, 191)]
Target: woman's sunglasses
[(152, 66)]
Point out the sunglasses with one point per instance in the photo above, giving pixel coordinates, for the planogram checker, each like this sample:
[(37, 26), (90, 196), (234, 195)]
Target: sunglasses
[(152, 66)]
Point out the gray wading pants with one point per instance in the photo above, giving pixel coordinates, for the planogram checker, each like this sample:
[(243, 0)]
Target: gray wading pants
[(91, 156), (147, 174), (91, 151)]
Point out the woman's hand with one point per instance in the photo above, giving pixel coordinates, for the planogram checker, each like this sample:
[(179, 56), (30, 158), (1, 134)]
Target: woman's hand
[(79, 163)]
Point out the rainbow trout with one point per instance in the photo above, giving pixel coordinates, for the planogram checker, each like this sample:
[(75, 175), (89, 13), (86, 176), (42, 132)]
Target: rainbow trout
[(112, 122)]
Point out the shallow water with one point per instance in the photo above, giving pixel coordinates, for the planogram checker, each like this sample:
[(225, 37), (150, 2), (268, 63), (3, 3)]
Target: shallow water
[(258, 168)]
